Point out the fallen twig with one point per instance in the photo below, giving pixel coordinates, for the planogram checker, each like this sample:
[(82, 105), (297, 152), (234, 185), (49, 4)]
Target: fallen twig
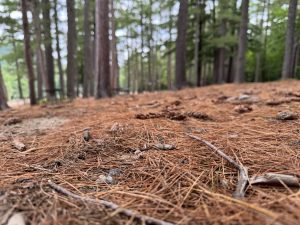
[(243, 179), (275, 179), (108, 204)]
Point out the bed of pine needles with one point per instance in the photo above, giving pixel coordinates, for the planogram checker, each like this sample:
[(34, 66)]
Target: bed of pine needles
[(187, 185)]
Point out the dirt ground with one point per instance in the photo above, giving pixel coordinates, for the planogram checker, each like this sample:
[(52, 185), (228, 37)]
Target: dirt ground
[(122, 162)]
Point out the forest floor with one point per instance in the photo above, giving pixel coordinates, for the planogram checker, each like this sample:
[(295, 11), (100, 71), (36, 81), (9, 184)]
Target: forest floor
[(140, 157)]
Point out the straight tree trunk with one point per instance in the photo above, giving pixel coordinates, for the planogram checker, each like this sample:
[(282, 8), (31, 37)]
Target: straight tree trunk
[(93, 70), (289, 41), (87, 67), (150, 52), (71, 48), (3, 94), (219, 69), (114, 53), (258, 55), (242, 44), (169, 59), (48, 50), (27, 52), (181, 44), (142, 48), (20, 89), (198, 43), (232, 58), (103, 88), (59, 65), (41, 71)]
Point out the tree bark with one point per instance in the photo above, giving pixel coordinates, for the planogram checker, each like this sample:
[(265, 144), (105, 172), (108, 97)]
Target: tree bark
[(181, 44), (289, 41), (232, 58), (27, 52), (48, 50), (87, 50), (198, 44), (3, 94), (220, 51), (20, 89), (114, 53), (59, 65), (242, 44), (142, 47), (103, 88), (258, 55), (41, 71), (71, 48)]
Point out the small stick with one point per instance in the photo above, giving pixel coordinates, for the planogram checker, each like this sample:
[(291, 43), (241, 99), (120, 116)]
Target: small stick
[(243, 171), (108, 204), (276, 179)]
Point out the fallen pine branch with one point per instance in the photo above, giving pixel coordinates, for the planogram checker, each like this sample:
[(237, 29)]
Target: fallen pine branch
[(108, 204), (276, 179), (243, 179)]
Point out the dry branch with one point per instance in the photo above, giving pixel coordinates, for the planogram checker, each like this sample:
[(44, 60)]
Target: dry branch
[(275, 179), (243, 171), (108, 204)]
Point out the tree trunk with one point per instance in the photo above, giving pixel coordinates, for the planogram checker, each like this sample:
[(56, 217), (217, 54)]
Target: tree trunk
[(198, 44), (231, 61), (220, 51), (48, 50), (3, 94), (60, 69), (87, 50), (27, 52), (41, 71), (114, 53), (258, 55), (20, 89), (71, 48), (289, 41), (242, 44), (181, 44), (103, 88), (93, 70), (142, 48)]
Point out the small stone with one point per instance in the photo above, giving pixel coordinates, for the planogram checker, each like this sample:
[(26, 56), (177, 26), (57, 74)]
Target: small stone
[(102, 179), (86, 134), (19, 145), (114, 172), (287, 115), (164, 146), (242, 108)]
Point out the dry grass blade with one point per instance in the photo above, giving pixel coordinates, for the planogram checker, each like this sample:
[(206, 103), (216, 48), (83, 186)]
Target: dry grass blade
[(107, 204)]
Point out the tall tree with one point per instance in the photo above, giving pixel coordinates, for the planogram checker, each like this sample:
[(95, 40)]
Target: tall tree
[(20, 89), (181, 44), (71, 58), (3, 95), (102, 49), (242, 44), (41, 71), (114, 54), (199, 40), (27, 52), (220, 51), (87, 67), (60, 69), (287, 71), (48, 50)]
